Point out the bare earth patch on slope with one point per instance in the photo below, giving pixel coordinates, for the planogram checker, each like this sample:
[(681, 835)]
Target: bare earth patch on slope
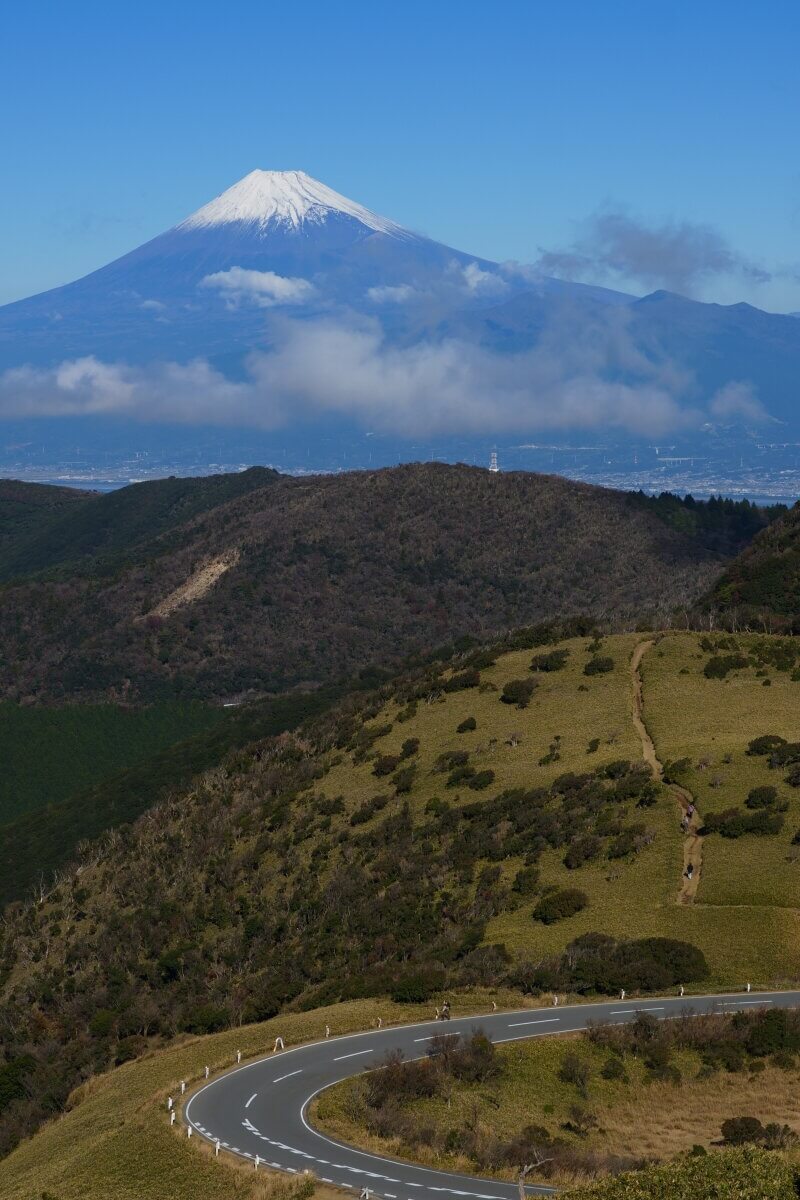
[(196, 586)]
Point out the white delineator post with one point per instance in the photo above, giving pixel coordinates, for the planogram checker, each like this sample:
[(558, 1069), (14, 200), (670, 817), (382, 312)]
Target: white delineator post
[(172, 1117), (206, 1072), (183, 1086), (216, 1148), (258, 1160), (238, 1056)]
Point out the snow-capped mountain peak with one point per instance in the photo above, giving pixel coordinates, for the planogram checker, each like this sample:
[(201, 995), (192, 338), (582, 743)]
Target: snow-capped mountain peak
[(289, 199)]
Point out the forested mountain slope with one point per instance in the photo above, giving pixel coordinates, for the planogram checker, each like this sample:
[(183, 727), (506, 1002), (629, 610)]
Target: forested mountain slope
[(246, 584), (762, 586)]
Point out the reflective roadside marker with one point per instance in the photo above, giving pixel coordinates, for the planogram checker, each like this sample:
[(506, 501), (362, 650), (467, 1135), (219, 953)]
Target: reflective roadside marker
[(216, 1149), (206, 1072), (189, 1131), (183, 1086), (238, 1056), (257, 1161), (172, 1117)]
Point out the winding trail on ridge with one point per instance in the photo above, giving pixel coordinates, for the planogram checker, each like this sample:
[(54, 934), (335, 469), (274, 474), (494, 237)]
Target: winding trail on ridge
[(693, 842)]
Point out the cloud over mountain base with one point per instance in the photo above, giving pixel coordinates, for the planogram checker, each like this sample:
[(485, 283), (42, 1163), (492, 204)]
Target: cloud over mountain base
[(595, 379)]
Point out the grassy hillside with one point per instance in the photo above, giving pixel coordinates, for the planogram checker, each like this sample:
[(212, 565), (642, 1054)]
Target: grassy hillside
[(319, 577), (432, 835), (48, 754)]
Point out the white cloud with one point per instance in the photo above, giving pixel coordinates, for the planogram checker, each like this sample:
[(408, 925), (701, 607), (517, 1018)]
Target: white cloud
[(263, 288), (483, 283), (392, 295), (153, 305), (737, 401), (350, 370)]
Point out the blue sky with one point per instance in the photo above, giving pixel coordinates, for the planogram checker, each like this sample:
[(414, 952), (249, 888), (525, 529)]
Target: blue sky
[(496, 128)]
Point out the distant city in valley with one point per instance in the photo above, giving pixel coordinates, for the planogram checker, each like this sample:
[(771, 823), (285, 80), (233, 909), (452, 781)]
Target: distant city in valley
[(712, 463)]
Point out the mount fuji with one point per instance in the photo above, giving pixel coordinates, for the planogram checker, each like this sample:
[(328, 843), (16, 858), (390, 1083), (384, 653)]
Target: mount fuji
[(281, 304), (275, 240)]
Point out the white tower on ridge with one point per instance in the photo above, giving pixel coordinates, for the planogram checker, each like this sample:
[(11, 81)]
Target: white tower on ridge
[(493, 467)]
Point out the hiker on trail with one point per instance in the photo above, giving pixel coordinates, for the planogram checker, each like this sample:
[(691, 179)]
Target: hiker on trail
[(685, 823), (690, 871), (278, 1044), (446, 1011), (690, 811)]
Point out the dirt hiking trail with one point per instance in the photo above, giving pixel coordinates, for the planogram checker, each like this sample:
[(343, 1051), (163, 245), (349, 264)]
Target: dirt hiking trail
[(693, 842)]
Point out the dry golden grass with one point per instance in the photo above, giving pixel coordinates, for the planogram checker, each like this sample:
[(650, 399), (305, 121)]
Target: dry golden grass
[(639, 1119)]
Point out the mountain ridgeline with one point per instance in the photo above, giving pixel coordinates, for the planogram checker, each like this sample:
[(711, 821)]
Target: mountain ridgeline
[(243, 585)]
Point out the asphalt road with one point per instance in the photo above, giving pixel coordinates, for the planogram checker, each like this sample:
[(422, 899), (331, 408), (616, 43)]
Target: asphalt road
[(261, 1108)]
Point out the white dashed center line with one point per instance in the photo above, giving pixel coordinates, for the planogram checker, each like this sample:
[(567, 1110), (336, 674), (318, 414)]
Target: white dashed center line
[(355, 1054), (252, 1098), (281, 1078)]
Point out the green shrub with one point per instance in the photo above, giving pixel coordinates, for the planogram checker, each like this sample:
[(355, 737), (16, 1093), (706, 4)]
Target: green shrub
[(464, 679), (560, 904), (519, 692), (417, 987), (721, 665), (556, 660), (208, 1018), (102, 1022), (735, 1174), (526, 881), (739, 1131), (385, 764), (409, 748), (765, 744), (761, 797), (599, 665), (614, 1070)]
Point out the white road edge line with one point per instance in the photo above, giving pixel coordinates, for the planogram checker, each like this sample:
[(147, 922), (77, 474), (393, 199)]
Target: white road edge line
[(543, 1021)]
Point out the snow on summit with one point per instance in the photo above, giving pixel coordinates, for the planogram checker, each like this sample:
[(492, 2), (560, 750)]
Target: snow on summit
[(284, 198)]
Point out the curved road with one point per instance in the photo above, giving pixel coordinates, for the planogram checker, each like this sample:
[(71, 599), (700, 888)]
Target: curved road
[(261, 1108)]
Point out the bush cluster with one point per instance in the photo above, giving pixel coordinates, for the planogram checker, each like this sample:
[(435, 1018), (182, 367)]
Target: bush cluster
[(595, 962)]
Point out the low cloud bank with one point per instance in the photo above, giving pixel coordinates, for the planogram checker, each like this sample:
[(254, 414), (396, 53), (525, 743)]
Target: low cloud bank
[(597, 380)]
